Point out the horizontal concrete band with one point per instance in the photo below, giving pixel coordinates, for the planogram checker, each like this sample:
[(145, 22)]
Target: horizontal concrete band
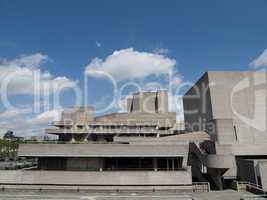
[(220, 161), (134, 188), (102, 150), (58, 131), (249, 149), (149, 178)]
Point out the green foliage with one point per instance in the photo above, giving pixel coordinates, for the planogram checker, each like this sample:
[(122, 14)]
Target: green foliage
[(8, 149)]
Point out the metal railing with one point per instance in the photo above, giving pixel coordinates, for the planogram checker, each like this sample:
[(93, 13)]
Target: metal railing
[(197, 187), (145, 169), (201, 186), (68, 142), (250, 187)]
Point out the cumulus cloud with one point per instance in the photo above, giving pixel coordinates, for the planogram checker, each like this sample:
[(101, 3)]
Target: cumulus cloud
[(13, 112), (23, 76), (24, 124), (128, 64), (260, 61), (30, 61), (47, 117)]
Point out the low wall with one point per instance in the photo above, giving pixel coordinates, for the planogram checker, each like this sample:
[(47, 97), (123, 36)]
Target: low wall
[(96, 178)]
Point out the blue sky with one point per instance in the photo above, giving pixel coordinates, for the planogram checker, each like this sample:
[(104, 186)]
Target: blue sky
[(198, 35)]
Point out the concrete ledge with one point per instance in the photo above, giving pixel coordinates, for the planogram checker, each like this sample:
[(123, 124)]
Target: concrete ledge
[(118, 178), (103, 150), (182, 188), (220, 161), (249, 149)]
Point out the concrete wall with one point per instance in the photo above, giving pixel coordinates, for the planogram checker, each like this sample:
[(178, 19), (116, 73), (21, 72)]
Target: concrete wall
[(148, 102), (262, 166), (163, 101), (160, 119), (96, 178), (240, 96), (220, 161), (136, 104), (225, 132), (103, 150), (78, 115), (197, 106)]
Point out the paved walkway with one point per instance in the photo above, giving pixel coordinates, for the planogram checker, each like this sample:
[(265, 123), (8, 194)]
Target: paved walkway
[(218, 195)]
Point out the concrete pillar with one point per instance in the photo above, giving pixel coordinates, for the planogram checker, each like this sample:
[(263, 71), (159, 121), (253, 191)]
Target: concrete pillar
[(155, 164), (72, 139)]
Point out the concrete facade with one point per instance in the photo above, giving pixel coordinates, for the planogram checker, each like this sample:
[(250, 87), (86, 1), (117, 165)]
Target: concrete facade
[(89, 151), (96, 178), (231, 108), (148, 102), (234, 100), (224, 139), (103, 150)]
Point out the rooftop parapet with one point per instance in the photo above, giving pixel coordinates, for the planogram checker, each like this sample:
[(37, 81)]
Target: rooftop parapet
[(148, 102), (77, 115)]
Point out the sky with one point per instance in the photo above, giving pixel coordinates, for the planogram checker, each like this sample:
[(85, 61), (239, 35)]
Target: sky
[(81, 50)]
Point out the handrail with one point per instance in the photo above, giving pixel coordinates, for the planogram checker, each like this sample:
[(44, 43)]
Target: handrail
[(249, 186), (197, 186), (249, 183), (115, 187), (145, 169), (69, 142)]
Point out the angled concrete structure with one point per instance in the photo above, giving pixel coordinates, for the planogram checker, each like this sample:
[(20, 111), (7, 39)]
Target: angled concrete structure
[(231, 108)]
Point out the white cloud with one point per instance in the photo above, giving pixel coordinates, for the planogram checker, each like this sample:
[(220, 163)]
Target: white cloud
[(98, 44), (176, 80), (13, 112), (31, 61), (161, 51), (261, 61), (128, 64), (47, 117), (23, 76), (25, 124)]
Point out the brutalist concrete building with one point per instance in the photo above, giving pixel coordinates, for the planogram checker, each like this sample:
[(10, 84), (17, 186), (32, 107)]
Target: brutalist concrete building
[(119, 150), (231, 108), (223, 140)]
